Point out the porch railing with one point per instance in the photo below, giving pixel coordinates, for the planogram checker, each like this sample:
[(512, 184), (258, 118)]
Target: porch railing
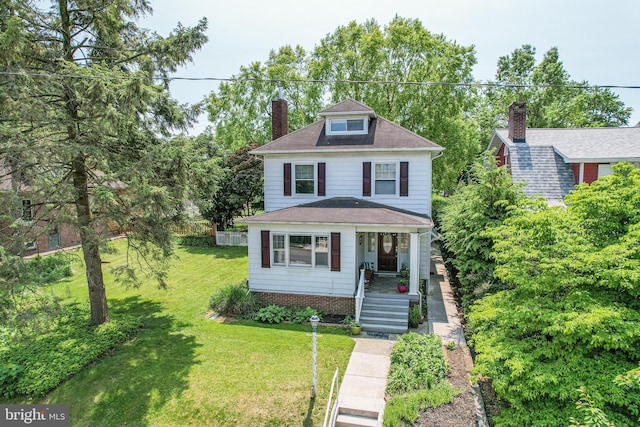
[(360, 295)]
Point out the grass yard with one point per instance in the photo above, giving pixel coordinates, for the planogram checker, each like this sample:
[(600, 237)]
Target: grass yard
[(184, 370)]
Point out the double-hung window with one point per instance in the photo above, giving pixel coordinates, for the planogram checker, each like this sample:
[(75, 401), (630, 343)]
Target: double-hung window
[(305, 179), (300, 250), (385, 178)]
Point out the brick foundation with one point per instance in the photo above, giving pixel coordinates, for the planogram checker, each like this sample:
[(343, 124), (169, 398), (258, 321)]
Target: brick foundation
[(329, 305)]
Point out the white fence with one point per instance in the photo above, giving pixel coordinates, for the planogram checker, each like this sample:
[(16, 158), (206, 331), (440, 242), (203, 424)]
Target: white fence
[(232, 238)]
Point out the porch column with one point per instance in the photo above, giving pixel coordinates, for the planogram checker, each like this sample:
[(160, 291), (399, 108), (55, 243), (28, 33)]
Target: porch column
[(414, 263)]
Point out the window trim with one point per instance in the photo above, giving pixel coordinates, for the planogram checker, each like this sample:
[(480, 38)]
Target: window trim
[(294, 180), (287, 250), (364, 131), (374, 179)]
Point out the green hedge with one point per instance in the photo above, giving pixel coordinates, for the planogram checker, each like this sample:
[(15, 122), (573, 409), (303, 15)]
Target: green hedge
[(202, 241)]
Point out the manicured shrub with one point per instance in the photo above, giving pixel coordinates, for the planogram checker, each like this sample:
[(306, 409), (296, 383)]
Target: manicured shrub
[(234, 300), (199, 241)]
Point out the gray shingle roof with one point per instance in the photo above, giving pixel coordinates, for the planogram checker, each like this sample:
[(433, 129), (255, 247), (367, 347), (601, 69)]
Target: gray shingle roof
[(344, 210), (588, 145), (383, 135), (544, 171)]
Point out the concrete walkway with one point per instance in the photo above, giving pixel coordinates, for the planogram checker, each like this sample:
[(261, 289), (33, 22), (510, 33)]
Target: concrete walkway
[(362, 393)]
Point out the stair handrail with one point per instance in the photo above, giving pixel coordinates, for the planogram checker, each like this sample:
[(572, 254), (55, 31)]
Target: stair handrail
[(360, 295), (334, 382)]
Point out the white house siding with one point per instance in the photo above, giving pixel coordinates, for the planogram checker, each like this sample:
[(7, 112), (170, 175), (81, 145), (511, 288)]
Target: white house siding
[(303, 280), (425, 255), (344, 179)]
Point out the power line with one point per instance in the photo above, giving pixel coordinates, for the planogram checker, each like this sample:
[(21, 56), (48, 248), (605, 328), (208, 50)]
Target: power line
[(480, 84)]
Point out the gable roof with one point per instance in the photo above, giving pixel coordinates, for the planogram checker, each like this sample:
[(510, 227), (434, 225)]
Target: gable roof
[(581, 145), (343, 211), (383, 135)]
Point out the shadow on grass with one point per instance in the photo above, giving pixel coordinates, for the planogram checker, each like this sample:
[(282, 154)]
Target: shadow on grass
[(139, 377), (308, 421), (287, 326), (223, 252)]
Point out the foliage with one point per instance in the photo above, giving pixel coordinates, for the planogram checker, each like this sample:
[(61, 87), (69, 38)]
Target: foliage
[(482, 202), (415, 316), (239, 191), (55, 356), (451, 345), (9, 375), (550, 104), (26, 306), (591, 416), (571, 315), (401, 51), (405, 407), (417, 362), (201, 241), (277, 314), (438, 204), (234, 299), (86, 116)]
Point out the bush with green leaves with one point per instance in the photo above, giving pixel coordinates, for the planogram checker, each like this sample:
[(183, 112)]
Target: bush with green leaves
[(571, 318), (415, 316), (277, 314), (417, 362), (417, 378), (482, 202), (53, 357), (234, 299)]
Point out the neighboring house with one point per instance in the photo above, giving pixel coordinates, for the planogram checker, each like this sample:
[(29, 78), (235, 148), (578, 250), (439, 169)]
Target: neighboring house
[(32, 227), (554, 161), (350, 190)]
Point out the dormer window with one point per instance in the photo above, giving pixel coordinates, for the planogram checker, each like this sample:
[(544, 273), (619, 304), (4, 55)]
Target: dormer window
[(347, 126)]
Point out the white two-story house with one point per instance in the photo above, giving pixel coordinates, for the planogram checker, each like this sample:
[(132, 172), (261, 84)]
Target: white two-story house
[(351, 190)]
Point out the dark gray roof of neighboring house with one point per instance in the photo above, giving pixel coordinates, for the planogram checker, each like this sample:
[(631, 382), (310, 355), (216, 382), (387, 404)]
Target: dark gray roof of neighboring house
[(588, 145), (383, 135), (343, 210), (544, 171)]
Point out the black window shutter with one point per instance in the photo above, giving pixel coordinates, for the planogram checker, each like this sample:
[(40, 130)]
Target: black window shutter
[(287, 179), (265, 245), (322, 179), (404, 178), (335, 251), (366, 178)]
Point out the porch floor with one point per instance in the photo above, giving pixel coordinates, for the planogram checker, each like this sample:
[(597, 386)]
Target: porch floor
[(385, 284)]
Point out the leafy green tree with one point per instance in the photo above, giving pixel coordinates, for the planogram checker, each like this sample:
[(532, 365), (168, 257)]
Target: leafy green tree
[(241, 110), (85, 107), (240, 190), (553, 99), (480, 203), (570, 317), (343, 65)]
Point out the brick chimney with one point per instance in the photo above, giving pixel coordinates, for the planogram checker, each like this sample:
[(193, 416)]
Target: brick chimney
[(279, 124), (517, 121)]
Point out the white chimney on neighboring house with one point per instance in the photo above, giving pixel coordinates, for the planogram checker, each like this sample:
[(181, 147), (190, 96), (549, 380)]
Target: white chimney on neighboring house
[(517, 121)]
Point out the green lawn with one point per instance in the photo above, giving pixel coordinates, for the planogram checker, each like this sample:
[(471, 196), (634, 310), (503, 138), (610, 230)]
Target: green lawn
[(185, 370)]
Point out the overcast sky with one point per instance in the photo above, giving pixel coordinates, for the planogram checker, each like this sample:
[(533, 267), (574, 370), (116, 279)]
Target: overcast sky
[(598, 41)]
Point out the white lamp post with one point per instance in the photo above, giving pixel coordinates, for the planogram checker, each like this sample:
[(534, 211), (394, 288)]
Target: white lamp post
[(314, 324)]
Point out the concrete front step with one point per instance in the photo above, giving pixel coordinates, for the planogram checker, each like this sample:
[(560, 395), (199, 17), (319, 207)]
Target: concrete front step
[(385, 313), (354, 417)]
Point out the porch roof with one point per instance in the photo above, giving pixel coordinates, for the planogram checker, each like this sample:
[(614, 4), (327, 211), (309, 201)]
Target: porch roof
[(344, 210)]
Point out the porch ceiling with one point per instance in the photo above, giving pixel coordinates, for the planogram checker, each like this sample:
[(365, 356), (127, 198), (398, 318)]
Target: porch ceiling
[(346, 211)]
